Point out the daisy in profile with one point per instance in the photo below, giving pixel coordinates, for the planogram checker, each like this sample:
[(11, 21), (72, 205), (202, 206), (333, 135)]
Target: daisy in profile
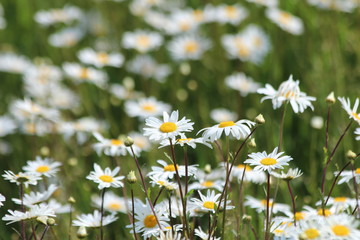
[(163, 182), (67, 37), (268, 162), (289, 91), (351, 111), (106, 178), (22, 178), (250, 175), (147, 67), (185, 141), (347, 175), (13, 63), (222, 115), (112, 202), (188, 47), (357, 132), (342, 226), (238, 130), (233, 14), (28, 109), (169, 127), (169, 171), (203, 235), (94, 220), (64, 15), (36, 197), (141, 40), (204, 183), (285, 21), (260, 205), (289, 175), (34, 212), (340, 204), (146, 107), (210, 202), (100, 59), (110, 147), (242, 83), (43, 167)]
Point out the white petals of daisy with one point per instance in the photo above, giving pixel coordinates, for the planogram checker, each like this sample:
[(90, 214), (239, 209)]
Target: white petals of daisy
[(186, 47), (146, 107), (94, 220), (142, 41), (242, 83), (106, 178), (34, 212), (210, 202), (357, 132), (43, 167), (285, 21), (110, 147), (345, 103), (290, 175), (22, 178), (268, 162), (100, 59)]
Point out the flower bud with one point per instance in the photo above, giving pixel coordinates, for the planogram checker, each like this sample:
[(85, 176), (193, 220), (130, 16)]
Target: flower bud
[(131, 178), (82, 233), (45, 151), (330, 99), (350, 155), (71, 200), (207, 168), (42, 219), (260, 119), (246, 219), (252, 143), (128, 141), (50, 222)]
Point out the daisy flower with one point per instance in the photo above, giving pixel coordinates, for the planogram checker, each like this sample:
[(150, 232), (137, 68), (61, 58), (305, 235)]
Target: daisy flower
[(169, 171), (58, 15), (162, 182), (13, 63), (357, 132), (7, 126), (179, 22), (93, 220), (341, 227), (250, 175), (285, 21), (210, 202), (238, 130), (34, 212), (222, 115), (203, 235), (112, 202), (43, 167), (242, 83), (140, 141), (106, 178), (142, 41), (183, 140), (170, 236), (186, 47), (288, 91), (28, 110), (100, 59), (268, 162), (25, 178), (260, 205), (311, 228), (233, 14), (110, 147), (347, 175), (352, 112), (208, 184), (290, 175), (2, 199), (58, 207), (36, 197), (148, 67), (266, 3), (170, 127), (146, 107), (146, 222), (340, 204), (67, 37)]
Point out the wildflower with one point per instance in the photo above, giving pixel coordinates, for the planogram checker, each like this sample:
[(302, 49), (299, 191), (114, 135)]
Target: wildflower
[(342, 226), (106, 178), (238, 130), (146, 107), (203, 235), (147, 67), (311, 228), (163, 182), (347, 175), (2, 199), (67, 37), (340, 204), (94, 220), (169, 171), (100, 59), (36, 197), (183, 140), (140, 141), (204, 183), (170, 127), (13, 63), (285, 21), (317, 122), (112, 202), (58, 207), (242, 83), (357, 132), (339, 5), (82, 233), (330, 99), (42, 166), (210, 202), (267, 3), (58, 15), (250, 175), (142, 41), (34, 212), (179, 22), (25, 178), (186, 47), (170, 236), (233, 14), (290, 175), (27, 109), (260, 205), (110, 147), (222, 115), (352, 112), (288, 91), (7, 126)]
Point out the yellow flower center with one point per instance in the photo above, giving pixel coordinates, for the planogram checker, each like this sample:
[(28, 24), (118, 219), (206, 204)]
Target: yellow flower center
[(325, 213), (289, 94), (116, 142), (356, 115), (242, 166), (226, 124), (257, 41), (42, 169), (311, 233), (161, 183), (170, 168), (341, 230), (103, 57), (340, 199), (143, 41), (84, 73), (148, 108), (106, 178), (184, 139), (209, 205), (191, 47), (150, 221), (185, 26), (357, 171), (198, 15), (284, 18), (167, 127), (268, 161), (278, 231), (299, 215), (114, 206), (230, 11), (263, 202), (208, 184)]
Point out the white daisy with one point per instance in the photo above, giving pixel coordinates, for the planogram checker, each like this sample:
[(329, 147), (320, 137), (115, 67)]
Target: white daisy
[(290, 175), (67, 37), (33, 213), (285, 21), (179, 22), (110, 147), (42, 166), (112, 202), (162, 182), (19, 178), (233, 14), (242, 83), (100, 59), (36, 197), (124, 92), (106, 178), (203, 235), (183, 140), (340, 204), (141, 40), (58, 207), (207, 184), (58, 15), (267, 3), (28, 110), (288, 91), (13, 63), (148, 67), (222, 115), (238, 130), (170, 127), (170, 236), (250, 175), (357, 132), (347, 175), (146, 107), (140, 141), (210, 202), (2, 199), (311, 228), (268, 162), (341, 227), (345, 103), (7, 126), (186, 47), (260, 205), (169, 171), (93, 220)]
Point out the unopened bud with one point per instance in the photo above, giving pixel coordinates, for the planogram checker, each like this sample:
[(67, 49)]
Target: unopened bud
[(350, 155), (331, 98), (252, 143), (73, 161), (170, 187), (44, 151), (71, 200), (207, 168), (42, 219), (185, 69), (260, 119), (131, 178), (82, 233), (50, 222), (128, 141), (246, 219)]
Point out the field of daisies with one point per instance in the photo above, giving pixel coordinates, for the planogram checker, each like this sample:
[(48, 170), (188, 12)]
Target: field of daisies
[(176, 120)]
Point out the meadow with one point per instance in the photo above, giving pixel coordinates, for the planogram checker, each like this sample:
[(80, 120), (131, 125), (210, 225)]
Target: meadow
[(179, 119)]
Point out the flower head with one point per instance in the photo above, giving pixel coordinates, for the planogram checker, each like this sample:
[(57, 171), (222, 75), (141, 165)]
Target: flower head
[(351, 111), (22, 178), (42, 167), (94, 220), (106, 178)]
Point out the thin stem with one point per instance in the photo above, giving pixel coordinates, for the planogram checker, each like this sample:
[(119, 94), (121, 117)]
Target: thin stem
[(22, 222), (170, 217), (254, 232), (71, 209), (282, 127), (331, 157), (157, 197), (133, 213), (225, 196), (355, 188), (327, 129), (186, 160), (267, 223), (33, 231), (102, 214), (45, 230), (293, 200)]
